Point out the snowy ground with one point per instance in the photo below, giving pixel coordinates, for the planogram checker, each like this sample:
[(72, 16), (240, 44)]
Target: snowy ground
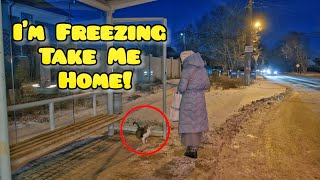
[(278, 142), (109, 159), (308, 74)]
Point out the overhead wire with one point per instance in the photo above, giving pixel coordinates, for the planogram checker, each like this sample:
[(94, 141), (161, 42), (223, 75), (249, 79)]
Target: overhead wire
[(275, 5)]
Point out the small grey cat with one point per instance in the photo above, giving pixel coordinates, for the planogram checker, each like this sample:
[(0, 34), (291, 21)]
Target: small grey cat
[(142, 132)]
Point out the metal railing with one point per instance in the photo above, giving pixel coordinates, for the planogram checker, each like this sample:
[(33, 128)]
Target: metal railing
[(51, 102), (51, 106)]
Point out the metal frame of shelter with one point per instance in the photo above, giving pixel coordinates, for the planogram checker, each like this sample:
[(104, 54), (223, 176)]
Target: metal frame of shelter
[(5, 167), (164, 61), (108, 6)]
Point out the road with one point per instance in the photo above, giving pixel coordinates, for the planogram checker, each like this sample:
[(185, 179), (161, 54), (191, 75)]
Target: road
[(297, 82)]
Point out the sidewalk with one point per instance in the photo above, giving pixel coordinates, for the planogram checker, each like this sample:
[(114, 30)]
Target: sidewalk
[(279, 141), (222, 104)]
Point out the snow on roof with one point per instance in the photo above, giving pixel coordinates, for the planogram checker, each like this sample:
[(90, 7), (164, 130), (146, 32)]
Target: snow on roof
[(111, 5)]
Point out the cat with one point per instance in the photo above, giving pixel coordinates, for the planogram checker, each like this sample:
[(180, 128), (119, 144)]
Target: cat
[(143, 132)]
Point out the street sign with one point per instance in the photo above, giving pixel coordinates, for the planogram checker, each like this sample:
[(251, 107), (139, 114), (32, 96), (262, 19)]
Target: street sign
[(249, 49), (298, 65)]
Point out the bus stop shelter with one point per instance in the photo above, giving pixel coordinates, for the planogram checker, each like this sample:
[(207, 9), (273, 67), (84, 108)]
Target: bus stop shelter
[(108, 6)]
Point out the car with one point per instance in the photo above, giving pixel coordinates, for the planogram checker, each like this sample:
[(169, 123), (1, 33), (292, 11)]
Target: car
[(209, 70), (241, 73), (269, 72), (253, 75), (233, 74)]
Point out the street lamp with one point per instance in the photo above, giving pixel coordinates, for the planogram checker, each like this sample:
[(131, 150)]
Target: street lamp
[(257, 24), (184, 40), (257, 27)]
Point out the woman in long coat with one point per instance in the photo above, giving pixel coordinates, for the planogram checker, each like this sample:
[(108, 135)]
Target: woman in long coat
[(193, 117)]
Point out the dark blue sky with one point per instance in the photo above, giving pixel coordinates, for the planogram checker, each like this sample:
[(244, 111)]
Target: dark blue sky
[(178, 12), (282, 16), (293, 15)]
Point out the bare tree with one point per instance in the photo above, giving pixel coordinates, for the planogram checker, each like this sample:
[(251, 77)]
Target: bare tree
[(219, 36), (294, 49)]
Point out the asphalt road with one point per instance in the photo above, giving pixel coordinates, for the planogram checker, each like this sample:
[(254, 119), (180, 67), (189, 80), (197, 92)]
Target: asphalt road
[(297, 82)]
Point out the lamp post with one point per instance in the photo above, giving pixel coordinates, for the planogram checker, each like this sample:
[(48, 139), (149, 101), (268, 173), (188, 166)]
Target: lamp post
[(258, 28), (184, 40)]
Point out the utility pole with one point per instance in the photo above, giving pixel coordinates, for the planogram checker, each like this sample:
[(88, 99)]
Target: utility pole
[(110, 103), (249, 48)]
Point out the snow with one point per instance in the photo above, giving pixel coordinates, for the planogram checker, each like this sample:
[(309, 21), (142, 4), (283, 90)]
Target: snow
[(123, 164)]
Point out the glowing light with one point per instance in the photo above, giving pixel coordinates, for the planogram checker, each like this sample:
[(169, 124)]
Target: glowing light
[(36, 85), (52, 86), (268, 71), (257, 24)]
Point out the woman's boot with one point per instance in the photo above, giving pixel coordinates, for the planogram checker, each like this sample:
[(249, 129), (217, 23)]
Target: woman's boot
[(192, 152)]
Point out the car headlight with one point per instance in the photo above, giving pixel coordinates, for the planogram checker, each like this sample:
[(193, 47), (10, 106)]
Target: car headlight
[(268, 71)]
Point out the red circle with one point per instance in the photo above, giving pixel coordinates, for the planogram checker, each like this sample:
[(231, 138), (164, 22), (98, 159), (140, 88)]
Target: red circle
[(145, 153)]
